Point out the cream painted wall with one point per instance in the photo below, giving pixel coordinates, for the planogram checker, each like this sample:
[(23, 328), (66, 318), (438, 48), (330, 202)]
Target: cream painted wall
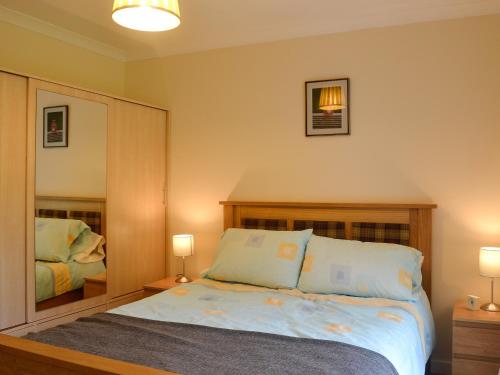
[(425, 112), (28, 52), (78, 170)]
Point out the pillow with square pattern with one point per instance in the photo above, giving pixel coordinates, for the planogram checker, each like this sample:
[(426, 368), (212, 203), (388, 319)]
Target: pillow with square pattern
[(54, 237), (362, 269), (260, 257)]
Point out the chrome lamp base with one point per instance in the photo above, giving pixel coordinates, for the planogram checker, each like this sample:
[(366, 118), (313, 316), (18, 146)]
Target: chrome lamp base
[(491, 307), (182, 279)]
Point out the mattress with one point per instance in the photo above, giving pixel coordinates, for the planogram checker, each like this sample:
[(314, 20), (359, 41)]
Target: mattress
[(53, 279), (403, 332)]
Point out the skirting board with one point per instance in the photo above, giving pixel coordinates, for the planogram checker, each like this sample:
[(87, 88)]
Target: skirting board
[(440, 367)]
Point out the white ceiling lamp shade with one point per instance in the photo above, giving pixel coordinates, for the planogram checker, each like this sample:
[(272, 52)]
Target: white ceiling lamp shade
[(147, 15)]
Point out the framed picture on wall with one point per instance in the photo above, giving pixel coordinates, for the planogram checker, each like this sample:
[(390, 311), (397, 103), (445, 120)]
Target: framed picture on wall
[(327, 107), (55, 126)]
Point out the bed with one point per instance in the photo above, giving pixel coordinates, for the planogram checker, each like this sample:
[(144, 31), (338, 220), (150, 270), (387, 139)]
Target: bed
[(58, 283), (76, 273), (374, 334)]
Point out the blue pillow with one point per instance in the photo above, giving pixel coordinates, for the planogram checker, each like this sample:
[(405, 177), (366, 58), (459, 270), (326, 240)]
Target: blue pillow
[(362, 269), (260, 257)]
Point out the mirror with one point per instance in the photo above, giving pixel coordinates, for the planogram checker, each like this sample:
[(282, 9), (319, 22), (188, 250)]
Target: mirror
[(70, 201)]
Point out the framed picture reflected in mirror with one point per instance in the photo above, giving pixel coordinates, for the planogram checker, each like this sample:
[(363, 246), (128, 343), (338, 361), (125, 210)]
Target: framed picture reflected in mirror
[(55, 126)]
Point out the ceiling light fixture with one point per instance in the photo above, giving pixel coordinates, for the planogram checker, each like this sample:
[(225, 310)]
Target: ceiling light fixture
[(147, 15)]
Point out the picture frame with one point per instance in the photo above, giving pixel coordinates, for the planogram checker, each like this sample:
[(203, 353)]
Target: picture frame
[(327, 107), (55, 126)]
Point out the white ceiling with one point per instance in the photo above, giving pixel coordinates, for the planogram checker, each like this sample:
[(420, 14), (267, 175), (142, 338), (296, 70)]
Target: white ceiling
[(210, 24)]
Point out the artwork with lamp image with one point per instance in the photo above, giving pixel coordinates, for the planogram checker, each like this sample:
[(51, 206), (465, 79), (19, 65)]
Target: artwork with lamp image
[(327, 107), (183, 246)]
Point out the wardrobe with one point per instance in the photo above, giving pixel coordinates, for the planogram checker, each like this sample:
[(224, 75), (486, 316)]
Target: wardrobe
[(131, 208)]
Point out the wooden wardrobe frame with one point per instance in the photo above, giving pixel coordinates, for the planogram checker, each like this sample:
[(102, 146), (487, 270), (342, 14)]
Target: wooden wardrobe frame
[(32, 358)]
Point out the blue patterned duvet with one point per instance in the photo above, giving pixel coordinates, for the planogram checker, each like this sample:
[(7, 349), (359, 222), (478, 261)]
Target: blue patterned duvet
[(403, 332)]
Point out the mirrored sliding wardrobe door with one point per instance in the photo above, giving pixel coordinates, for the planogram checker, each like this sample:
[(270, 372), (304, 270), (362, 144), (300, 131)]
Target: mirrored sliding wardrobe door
[(67, 200)]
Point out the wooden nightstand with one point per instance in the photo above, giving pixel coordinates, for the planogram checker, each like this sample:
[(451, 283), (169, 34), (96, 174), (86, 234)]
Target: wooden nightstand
[(476, 341), (94, 285), (159, 286)]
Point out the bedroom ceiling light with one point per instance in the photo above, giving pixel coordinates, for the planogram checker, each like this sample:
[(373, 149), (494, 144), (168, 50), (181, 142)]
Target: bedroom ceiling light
[(330, 98), (147, 15)]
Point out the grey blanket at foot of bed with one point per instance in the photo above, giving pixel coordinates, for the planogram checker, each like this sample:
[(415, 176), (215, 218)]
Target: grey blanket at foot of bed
[(194, 350)]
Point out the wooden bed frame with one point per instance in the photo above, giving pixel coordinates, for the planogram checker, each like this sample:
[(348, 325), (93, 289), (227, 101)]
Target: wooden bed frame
[(20, 356), (66, 203), (418, 217)]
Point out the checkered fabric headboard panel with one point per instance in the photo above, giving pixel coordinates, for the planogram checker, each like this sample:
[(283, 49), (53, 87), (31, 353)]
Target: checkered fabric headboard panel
[(361, 231), (268, 224), (91, 218), (54, 214), (332, 229), (379, 232)]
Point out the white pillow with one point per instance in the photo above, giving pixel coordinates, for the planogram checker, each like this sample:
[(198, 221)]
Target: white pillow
[(260, 257), (363, 269)]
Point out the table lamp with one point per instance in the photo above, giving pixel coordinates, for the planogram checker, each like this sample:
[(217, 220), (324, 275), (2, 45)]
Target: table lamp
[(183, 247), (489, 266)]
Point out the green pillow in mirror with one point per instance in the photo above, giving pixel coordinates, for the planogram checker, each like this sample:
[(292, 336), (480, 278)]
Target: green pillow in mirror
[(54, 237)]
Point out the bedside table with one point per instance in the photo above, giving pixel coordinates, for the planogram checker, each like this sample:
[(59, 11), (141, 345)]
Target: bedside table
[(476, 341), (159, 286), (94, 285)]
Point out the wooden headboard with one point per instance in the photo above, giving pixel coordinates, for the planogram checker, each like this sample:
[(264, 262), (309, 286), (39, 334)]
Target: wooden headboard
[(406, 224), (90, 210)]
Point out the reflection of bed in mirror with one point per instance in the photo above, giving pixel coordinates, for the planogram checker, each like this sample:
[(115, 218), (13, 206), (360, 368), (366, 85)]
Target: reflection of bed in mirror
[(70, 249)]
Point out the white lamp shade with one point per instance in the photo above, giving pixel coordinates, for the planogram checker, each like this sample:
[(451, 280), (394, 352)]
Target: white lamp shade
[(489, 261), (147, 15), (183, 245)]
